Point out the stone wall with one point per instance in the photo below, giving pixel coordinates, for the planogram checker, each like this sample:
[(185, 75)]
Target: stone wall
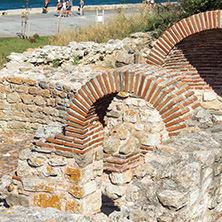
[(27, 103)]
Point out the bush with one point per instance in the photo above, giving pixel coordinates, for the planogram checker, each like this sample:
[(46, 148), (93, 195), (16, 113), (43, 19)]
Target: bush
[(56, 63), (196, 6), (36, 36)]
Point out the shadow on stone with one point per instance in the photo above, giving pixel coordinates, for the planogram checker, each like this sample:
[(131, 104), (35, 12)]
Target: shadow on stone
[(108, 205)]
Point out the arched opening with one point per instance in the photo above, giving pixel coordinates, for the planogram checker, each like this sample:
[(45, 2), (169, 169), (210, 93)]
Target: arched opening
[(198, 58)]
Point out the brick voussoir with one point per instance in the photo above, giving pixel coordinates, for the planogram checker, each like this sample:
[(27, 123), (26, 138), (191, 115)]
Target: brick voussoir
[(176, 115)]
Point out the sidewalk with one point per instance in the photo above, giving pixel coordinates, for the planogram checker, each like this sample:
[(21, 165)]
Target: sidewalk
[(47, 24)]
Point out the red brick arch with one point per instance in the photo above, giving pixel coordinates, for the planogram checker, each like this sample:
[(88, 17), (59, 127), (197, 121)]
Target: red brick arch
[(181, 30), (173, 99)]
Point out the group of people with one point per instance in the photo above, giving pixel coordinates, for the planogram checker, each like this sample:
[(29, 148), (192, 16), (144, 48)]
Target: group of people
[(65, 7), (148, 4)]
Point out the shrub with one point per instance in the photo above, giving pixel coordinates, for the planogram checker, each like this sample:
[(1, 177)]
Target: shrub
[(36, 36), (56, 63), (196, 6), (32, 39), (75, 60)]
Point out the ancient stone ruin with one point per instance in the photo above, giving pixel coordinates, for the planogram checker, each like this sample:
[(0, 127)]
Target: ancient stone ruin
[(146, 136)]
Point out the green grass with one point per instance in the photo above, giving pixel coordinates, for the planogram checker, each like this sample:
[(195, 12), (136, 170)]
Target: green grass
[(16, 44)]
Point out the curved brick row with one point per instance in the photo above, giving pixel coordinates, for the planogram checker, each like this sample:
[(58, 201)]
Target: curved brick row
[(181, 30), (163, 89)]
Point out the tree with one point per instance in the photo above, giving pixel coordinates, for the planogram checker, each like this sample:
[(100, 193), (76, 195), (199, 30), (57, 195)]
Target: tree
[(196, 6)]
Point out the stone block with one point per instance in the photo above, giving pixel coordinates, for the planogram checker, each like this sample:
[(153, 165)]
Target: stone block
[(84, 160), (211, 105), (149, 157), (37, 184), (45, 93), (120, 132), (78, 176), (130, 115), (15, 80), (47, 200), (57, 160), (84, 190), (64, 154), (209, 96), (96, 201), (13, 97), (121, 178), (17, 200), (136, 102), (114, 191), (74, 206), (21, 89), (130, 146), (30, 82), (150, 116), (35, 162), (133, 193), (172, 199), (149, 139), (16, 125), (111, 145), (26, 98), (39, 100), (97, 168)]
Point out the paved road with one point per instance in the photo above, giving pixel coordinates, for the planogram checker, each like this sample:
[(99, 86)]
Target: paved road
[(47, 24)]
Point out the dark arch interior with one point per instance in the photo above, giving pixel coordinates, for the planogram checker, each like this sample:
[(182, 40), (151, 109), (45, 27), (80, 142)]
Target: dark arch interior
[(204, 52), (101, 106)]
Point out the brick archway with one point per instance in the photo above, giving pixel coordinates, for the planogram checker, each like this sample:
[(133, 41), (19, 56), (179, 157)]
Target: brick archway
[(181, 30), (173, 99)]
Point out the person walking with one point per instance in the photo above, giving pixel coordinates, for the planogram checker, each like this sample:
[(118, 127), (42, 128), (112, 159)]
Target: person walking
[(45, 8), (81, 5), (64, 8), (59, 7), (68, 9)]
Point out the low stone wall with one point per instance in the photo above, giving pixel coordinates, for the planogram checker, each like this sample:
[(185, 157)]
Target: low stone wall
[(28, 103)]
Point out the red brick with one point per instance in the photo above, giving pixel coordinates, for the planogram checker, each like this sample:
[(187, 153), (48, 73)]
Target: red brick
[(106, 83)]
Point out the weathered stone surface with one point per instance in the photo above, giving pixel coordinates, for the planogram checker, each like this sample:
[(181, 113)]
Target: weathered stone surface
[(35, 162), (172, 199), (209, 96), (17, 200), (130, 146), (84, 190), (114, 191), (130, 115), (47, 200), (120, 132), (84, 160), (37, 184), (111, 145), (74, 206), (57, 161), (132, 193), (149, 139), (78, 176), (211, 105), (96, 201), (121, 178), (27, 99), (13, 97)]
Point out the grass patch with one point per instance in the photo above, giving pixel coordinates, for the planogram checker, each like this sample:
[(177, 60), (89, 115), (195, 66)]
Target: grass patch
[(15, 44)]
